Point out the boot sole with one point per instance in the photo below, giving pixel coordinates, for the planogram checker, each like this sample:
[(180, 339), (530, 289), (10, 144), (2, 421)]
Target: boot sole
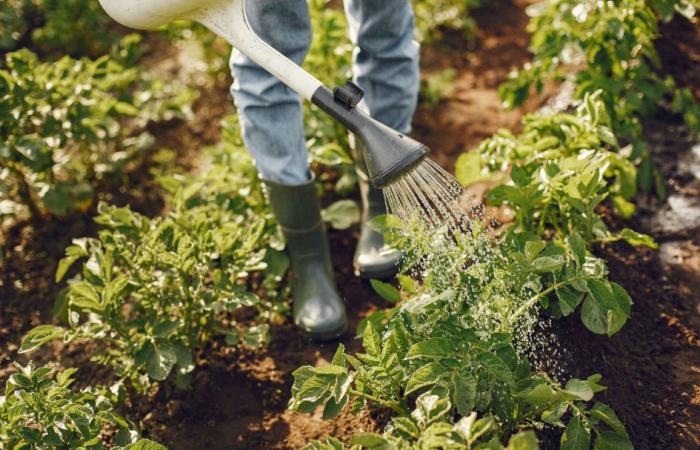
[(378, 275), (327, 335)]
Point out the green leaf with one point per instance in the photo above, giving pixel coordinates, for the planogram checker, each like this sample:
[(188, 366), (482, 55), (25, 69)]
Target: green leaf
[(606, 414), (64, 378), (525, 440), (184, 358), (40, 335), (540, 395), (257, 336), (315, 389), (609, 440), (569, 299), (426, 375), (553, 414), (579, 389), (578, 247), (342, 214), (496, 367), (623, 206), (333, 407), (534, 248), (635, 238), (369, 440), (73, 253), (576, 436), (546, 264), (386, 291), (606, 309), (468, 168), (408, 284), (145, 444), (463, 393), (339, 356), (160, 360), (57, 200), (330, 154), (432, 348), (82, 295), (163, 329), (371, 340)]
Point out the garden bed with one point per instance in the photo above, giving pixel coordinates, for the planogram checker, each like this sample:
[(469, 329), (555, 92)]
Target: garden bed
[(239, 397)]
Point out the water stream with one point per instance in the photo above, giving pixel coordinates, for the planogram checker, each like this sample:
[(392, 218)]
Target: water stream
[(444, 240), (428, 194)]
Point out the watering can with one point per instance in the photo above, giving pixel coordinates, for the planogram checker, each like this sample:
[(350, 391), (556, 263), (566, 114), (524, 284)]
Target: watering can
[(388, 154)]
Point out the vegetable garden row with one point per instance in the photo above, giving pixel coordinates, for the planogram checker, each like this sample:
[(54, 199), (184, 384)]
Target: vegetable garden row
[(456, 361)]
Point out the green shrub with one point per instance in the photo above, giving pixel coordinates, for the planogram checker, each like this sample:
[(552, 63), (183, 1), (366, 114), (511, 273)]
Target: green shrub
[(432, 16), (39, 411), (428, 431), (68, 124), (155, 292), (74, 27), (606, 47), (561, 168), (457, 344)]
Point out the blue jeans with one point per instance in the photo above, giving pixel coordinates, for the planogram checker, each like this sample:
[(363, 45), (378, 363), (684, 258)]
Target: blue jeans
[(385, 66)]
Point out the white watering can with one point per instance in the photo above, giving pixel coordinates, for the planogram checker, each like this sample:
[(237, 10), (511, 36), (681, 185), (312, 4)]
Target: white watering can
[(388, 153)]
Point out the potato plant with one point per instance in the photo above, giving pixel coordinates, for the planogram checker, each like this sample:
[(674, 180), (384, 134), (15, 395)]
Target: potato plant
[(39, 411), (458, 342), (560, 169), (74, 27), (426, 429), (433, 16), (154, 292), (69, 124), (607, 47)]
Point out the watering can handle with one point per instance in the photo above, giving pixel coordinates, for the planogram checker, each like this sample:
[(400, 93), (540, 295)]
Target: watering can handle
[(228, 19)]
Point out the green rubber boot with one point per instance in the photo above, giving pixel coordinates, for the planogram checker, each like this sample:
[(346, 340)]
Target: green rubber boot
[(373, 259), (318, 310)]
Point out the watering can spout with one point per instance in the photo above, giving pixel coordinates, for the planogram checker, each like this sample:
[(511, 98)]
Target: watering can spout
[(388, 153)]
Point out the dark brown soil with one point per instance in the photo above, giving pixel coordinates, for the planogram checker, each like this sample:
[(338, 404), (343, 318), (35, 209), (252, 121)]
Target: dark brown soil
[(473, 111), (238, 399)]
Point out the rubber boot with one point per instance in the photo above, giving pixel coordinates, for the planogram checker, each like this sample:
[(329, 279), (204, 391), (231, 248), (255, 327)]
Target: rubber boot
[(373, 259), (318, 310)]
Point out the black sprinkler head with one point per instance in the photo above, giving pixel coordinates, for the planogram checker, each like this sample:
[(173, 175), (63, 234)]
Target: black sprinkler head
[(388, 154)]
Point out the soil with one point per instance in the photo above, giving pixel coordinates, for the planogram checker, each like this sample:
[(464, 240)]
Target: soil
[(239, 398)]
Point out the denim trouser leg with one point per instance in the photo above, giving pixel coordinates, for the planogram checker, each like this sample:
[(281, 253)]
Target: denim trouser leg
[(386, 57), (270, 112), (385, 65)]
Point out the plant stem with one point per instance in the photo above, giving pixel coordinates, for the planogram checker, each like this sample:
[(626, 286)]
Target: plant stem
[(523, 309), (394, 406)]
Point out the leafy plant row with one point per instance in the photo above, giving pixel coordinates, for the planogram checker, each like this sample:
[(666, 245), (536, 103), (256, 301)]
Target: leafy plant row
[(39, 411), (154, 292), (607, 47), (70, 124), (456, 346), (64, 27), (557, 172)]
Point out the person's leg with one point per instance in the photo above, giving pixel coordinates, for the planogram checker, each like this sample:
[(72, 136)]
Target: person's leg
[(385, 66), (273, 132), (270, 112), (386, 57)]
